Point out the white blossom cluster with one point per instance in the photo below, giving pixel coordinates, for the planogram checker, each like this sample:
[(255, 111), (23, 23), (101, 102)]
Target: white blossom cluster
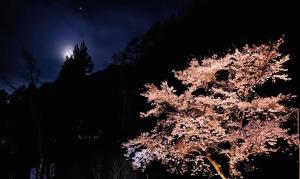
[(227, 111)]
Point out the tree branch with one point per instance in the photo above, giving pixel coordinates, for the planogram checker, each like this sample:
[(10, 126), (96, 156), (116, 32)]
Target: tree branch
[(217, 167)]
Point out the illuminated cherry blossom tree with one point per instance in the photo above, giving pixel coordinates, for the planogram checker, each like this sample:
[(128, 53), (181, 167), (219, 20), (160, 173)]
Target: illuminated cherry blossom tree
[(219, 107)]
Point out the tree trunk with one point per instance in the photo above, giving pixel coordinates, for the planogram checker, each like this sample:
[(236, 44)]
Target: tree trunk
[(217, 167)]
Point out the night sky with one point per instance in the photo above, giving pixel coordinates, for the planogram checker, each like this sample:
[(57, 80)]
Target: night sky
[(49, 29)]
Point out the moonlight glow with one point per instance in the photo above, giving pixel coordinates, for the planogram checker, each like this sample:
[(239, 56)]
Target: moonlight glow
[(67, 52)]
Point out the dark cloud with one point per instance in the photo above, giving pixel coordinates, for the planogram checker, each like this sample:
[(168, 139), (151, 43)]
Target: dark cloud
[(44, 28)]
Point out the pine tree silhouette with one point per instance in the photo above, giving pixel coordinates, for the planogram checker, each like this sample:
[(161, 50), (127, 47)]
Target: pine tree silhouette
[(76, 66)]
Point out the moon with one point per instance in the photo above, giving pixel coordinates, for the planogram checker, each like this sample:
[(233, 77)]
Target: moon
[(67, 51)]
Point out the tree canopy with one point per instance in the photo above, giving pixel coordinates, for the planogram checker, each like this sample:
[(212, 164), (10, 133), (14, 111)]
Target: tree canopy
[(227, 117)]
